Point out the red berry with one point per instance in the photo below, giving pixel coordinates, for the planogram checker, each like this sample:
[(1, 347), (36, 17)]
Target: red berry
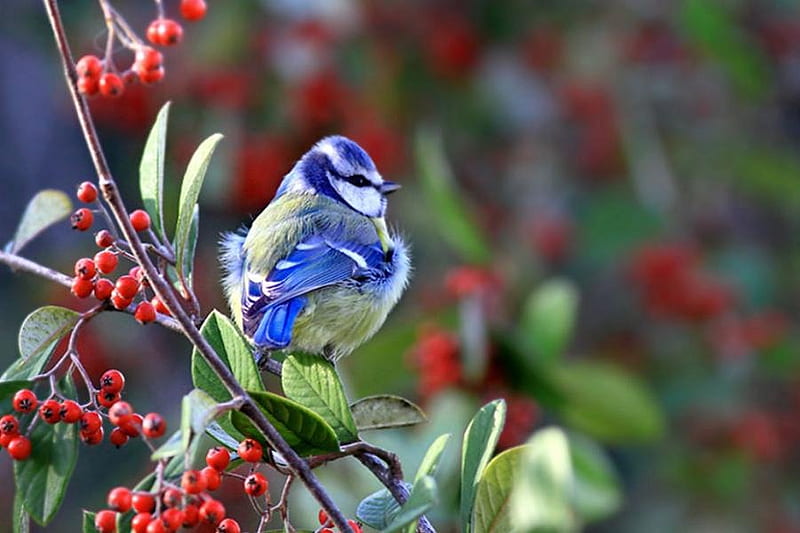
[(19, 448), (118, 410), (49, 411), (324, 519), (145, 313), (85, 268), (89, 66), (156, 526), (354, 526), (127, 286), (325, 530), (103, 238), (70, 411), (88, 86), (82, 219), (9, 425), (92, 437), (165, 32), (140, 220), (129, 77), (111, 85), (87, 192), (82, 288), (153, 425), (90, 422), (229, 525), (119, 302), (212, 477), (140, 521), (159, 306), (107, 399), (172, 498), (172, 518), (103, 288), (143, 502), (5, 439), (106, 261), (112, 380), (147, 59), (25, 401), (256, 484), (193, 9), (152, 76), (105, 521), (131, 425), (212, 512), (193, 482), (250, 450), (191, 516), (118, 437), (218, 458), (120, 499)]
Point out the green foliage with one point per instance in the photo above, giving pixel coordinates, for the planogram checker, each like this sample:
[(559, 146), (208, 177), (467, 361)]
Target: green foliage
[(38, 336), (480, 439), (190, 191), (21, 520), (386, 411), (422, 498), (151, 171), (548, 319), (42, 479), (430, 462), (304, 430), (313, 382), (88, 522), (492, 513), (596, 492), (45, 209), (379, 509)]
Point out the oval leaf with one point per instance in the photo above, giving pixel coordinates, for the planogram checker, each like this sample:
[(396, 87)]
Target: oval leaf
[(190, 191), (21, 521), (197, 411), (607, 403), (386, 411), (596, 492), (313, 382), (88, 522), (456, 223), (548, 319), (480, 438), (151, 170), (379, 509), (45, 209), (40, 332), (42, 479), (542, 482), (305, 431), (422, 498), (431, 460)]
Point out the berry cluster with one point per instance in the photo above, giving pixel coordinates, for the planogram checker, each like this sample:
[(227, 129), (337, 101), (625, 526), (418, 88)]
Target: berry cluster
[(100, 76), (326, 524), (184, 503), (88, 280)]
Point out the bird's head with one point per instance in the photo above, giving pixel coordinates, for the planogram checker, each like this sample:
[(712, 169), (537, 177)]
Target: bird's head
[(340, 169)]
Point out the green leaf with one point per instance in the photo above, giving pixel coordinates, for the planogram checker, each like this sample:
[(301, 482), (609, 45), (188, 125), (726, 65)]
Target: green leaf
[(173, 447), (530, 489), (454, 220), (190, 191), (305, 431), (422, 498), (313, 382), (607, 403), (88, 522), (42, 479), (216, 432), (234, 351), (386, 411), (191, 246), (21, 520), (151, 170), (45, 209), (379, 509), (548, 319), (480, 438), (197, 412), (431, 460), (596, 492), (7, 391), (40, 332)]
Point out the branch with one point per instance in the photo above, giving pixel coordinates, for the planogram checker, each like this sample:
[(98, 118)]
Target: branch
[(165, 291)]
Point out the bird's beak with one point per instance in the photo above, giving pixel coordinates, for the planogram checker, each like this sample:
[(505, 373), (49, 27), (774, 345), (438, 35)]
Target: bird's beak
[(383, 233), (388, 187)]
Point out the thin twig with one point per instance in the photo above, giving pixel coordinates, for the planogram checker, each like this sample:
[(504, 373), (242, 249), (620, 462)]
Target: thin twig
[(16, 262)]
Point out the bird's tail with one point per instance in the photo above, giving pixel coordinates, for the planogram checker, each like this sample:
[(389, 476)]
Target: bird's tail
[(231, 258)]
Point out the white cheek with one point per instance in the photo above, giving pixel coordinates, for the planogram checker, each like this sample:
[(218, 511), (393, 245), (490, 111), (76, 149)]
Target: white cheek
[(363, 199)]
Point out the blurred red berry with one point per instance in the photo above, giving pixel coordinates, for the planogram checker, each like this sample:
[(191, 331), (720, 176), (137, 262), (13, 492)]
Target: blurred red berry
[(90, 422), (172, 518), (191, 515), (145, 312), (140, 220), (250, 450), (92, 438), (193, 482), (212, 512), (118, 410), (127, 286), (111, 85), (436, 356), (118, 438), (50, 411), (89, 66), (85, 268), (164, 32), (70, 412), (256, 484), (131, 424), (87, 192), (107, 399), (103, 288), (213, 478), (140, 522), (467, 280), (218, 458), (112, 380), (193, 9), (153, 425), (143, 502), (88, 86), (120, 499), (25, 401), (105, 521), (229, 525), (103, 239), (82, 288), (19, 448), (9, 425), (106, 261), (82, 219)]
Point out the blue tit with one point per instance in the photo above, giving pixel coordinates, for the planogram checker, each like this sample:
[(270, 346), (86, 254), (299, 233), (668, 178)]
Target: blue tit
[(318, 271)]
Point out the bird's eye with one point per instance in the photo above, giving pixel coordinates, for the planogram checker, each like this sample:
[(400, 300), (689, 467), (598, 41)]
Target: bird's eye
[(359, 180)]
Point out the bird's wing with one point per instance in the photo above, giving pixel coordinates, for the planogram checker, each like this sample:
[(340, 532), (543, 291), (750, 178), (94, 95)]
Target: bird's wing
[(271, 303)]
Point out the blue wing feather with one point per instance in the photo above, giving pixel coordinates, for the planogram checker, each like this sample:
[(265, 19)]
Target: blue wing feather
[(270, 305)]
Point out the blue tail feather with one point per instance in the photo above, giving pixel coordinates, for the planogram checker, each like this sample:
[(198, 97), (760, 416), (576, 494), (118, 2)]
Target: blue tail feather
[(275, 329)]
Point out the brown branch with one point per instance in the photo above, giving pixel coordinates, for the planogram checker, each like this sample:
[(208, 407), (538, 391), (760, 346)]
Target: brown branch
[(165, 291)]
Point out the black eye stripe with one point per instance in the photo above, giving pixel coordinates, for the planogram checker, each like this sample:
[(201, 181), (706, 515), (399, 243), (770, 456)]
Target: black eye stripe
[(358, 180)]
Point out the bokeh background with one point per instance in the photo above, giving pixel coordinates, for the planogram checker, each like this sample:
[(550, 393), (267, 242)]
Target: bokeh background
[(640, 156)]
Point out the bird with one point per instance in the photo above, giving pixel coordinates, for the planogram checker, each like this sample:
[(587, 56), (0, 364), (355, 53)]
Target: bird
[(319, 270)]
